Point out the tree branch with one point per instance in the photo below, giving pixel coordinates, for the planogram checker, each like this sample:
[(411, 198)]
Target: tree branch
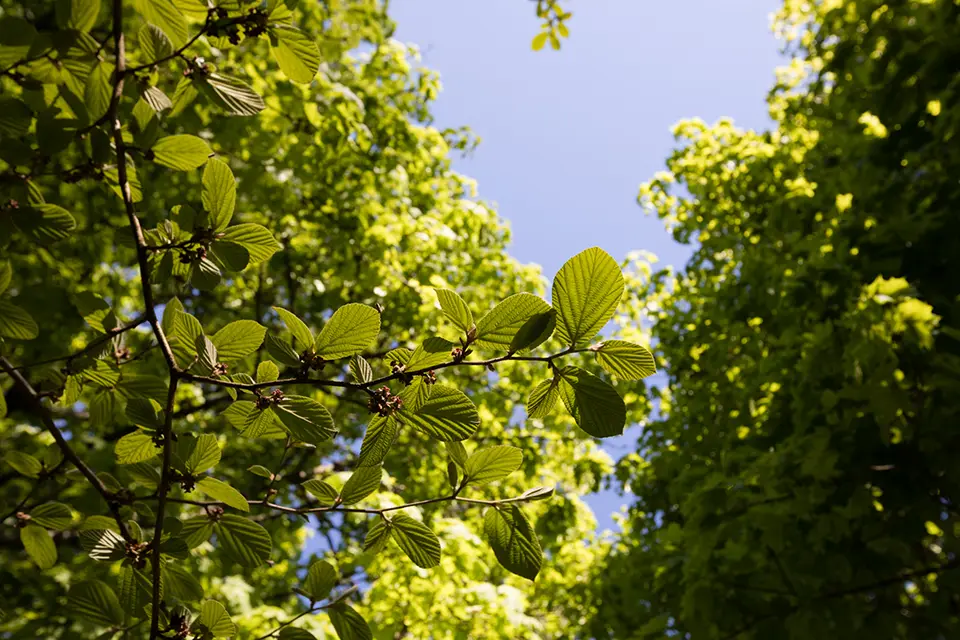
[(65, 447), (111, 334)]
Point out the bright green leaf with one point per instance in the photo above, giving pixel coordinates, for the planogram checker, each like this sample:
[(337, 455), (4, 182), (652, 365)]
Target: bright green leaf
[(492, 464), (448, 415), (352, 328), (222, 492), (39, 545), (297, 55), (625, 360), (246, 542), (219, 193), (513, 540), (181, 152), (586, 292), (363, 482), (417, 541), (238, 339)]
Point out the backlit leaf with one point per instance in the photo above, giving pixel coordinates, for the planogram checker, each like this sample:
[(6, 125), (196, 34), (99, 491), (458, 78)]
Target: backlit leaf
[(586, 292), (351, 329)]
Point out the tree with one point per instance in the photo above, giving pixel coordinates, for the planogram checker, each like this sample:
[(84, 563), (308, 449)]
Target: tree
[(800, 478), (229, 311)]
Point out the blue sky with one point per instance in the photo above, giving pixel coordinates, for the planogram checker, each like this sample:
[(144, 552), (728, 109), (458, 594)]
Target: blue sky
[(568, 136)]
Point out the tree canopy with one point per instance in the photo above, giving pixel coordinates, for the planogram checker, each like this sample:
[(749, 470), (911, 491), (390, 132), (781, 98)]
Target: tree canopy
[(245, 302), (800, 479)]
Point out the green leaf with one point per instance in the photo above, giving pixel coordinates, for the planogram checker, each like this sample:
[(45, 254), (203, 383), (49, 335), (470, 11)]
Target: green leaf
[(135, 447), (82, 14), (625, 360), (196, 531), (378, 535), (256, 239), (267, 371), (361, 370), (98, 90), (416, 540), (325, 493), (229, 256), (232, 94), (205, 274), (16, 323), (363, 482), (154, 43), (596, 406), (281, 351), (95, 601), (207, 356), (352, 328), (93, 523), (6, 274), (44, 223), (448, 415), (215, 618), (433, 352), (303, 337), (261, 423), (321, 578), (222, 492), (136, 589), (534, 331), (39, 545), (23, 463), (260, 470), (295, 633), (538, 41), (349, 624), (245, 541), (156, 99), (167, 17), (297, 55), (103, 545), (181, 152), (455, 309), (205, 454), (179, 583), (416, 394), (492, 464), (499, 328), (52, 515), (586, 292), (456, 453), (381, 433), (306, 419), (95, 311), (238, 339), (144, 412), (543, 398), (15, 117), (513, 540), (219, 193)]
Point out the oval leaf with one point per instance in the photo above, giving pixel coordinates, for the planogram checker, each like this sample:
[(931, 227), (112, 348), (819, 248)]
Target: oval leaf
[(492, 464), (586, 292), (416, 540), (245, 541), (351, 329), (626, 360), (222, 492), (181, 152), (447, 415)]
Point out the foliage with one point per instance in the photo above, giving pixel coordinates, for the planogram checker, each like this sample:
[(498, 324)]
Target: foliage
[(229, 240), (800, 478)]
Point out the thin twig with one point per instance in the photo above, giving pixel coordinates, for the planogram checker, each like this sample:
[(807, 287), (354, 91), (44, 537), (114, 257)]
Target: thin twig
[(112, 333), (65, 447)]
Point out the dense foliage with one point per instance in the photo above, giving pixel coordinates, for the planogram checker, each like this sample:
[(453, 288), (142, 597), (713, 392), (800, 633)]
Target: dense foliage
[(800, 479), (231, 241)]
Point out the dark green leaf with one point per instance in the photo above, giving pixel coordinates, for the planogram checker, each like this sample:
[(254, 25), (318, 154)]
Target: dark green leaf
[(95, 601), (103, 545), (513, 540), (305, 419), (179, 583), (256, 239), (321, 578), (44, 223), (363, 482), (245, 541), (596, 406), (349, 624), (416, 540), (377, 536)]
